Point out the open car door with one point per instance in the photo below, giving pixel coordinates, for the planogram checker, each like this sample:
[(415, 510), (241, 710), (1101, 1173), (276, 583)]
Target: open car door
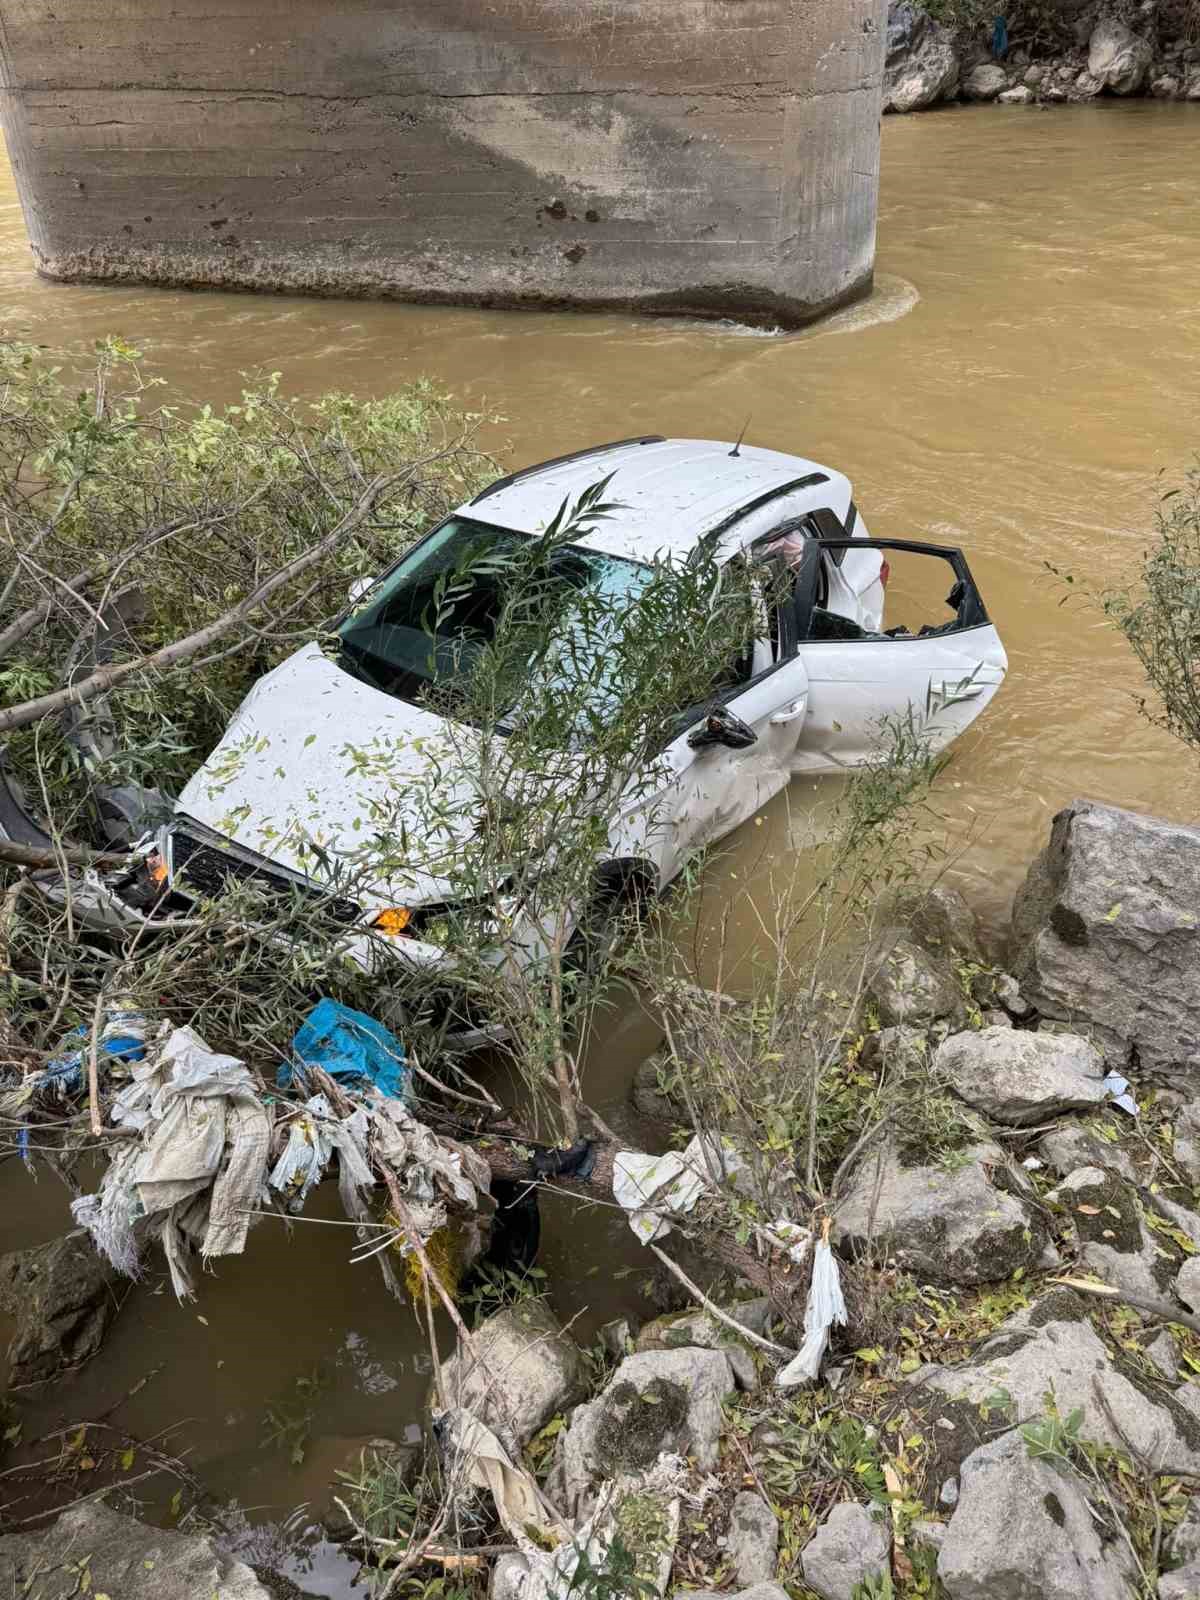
[(941, 660)]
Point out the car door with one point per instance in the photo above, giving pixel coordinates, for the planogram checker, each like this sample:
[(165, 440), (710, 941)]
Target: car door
[(939, 660), (708, 791)]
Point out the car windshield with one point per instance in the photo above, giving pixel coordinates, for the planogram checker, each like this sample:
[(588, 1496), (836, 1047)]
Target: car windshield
[(456, 576)]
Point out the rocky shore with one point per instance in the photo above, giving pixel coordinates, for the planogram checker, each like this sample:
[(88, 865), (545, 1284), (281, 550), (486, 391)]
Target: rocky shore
[(1012, 1407), (1096, 50)]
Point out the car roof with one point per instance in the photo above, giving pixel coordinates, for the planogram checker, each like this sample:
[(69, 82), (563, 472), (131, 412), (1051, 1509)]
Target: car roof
[(671, 492)]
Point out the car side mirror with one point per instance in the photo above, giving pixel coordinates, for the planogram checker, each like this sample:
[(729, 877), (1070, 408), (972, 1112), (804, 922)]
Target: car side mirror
[(359, 588), (720, 726)]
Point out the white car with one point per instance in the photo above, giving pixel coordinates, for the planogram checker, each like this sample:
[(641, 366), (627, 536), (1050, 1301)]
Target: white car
[(863, 634)]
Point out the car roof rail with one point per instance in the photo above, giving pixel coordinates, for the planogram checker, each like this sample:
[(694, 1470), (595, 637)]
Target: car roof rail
[(560, 461), (809, 481)]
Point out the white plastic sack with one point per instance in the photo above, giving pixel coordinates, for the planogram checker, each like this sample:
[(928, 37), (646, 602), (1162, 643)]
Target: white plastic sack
[(825, 1307), (1118, 1087), (647, 1186)]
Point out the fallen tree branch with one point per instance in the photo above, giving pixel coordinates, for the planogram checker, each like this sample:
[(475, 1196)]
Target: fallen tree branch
[(1162, 1310), (180, 650), (715, 1311), (36, 858)]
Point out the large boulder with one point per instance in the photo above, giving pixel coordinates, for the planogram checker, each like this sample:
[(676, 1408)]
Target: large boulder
[(62, 1297), (657, 1400), (1050, 1348), (985, 81), (1118, 57), (1023, 1531), (947, 1221), (520, 1371), (92, 1550), (1022, 1078), (851, 1546), (1106, 930), (922, 64)]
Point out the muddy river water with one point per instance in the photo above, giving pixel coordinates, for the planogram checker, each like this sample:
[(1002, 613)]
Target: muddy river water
[(1028, 366)]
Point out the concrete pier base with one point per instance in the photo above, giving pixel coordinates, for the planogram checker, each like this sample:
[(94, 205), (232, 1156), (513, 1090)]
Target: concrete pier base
[(710, 157)]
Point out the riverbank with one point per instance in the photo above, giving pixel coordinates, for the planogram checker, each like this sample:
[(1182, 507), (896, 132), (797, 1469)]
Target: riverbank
[(1103, 50), (1008, 1391)]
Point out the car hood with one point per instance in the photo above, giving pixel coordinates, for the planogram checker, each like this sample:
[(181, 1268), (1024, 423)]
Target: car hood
[(313, 757)]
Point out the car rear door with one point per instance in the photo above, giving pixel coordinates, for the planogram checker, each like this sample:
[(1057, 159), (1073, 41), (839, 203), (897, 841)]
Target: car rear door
[(939, 660)]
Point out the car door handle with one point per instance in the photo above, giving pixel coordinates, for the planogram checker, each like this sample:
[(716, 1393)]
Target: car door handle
[(791, 713)]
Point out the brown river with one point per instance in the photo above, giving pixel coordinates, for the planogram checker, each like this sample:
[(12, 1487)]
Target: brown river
[(1026, 369)]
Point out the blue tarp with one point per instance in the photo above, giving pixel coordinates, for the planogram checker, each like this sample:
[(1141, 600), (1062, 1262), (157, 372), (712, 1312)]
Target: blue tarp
[(350, 1046)]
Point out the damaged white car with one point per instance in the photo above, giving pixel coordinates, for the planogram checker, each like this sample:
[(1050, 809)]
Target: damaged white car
[(864, 630)]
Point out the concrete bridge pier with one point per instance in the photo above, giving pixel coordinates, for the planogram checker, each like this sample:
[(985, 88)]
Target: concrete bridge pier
[(708, 157)]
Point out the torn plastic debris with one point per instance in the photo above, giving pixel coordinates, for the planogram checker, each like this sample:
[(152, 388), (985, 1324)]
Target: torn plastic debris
[(523, 1510), (197, 1169), (122, 1038), (1118, 1087), (351, 1047), (646, 1186), (825, 1307)]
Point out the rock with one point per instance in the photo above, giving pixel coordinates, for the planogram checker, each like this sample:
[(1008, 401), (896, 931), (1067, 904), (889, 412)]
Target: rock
[(1024, 1531), (1165, 88), (1018, 95), (760, 1591), (622, 1431), (941, 921), (1076, 1145), (1185, 1148), (928, 1533), (651, 1092), (524, 1371), (946, 1223), (617, 1337), (899, 1050), (1187, 1283), (1193, 89), (1162, 1355), (1182, 1584), (753, 1539), (698, 1330), (125, 1559), (948, 1493), (1021, 1078), (1035, 74), (1086, 87), (1007, 992), (1106, 928), (984, 82), (921, 65), (849, 1547), (1051, 1347), (62, 1297), (1182, 1547), (1112, 1240), (1118, 57), (908, 986), (509, 1576)]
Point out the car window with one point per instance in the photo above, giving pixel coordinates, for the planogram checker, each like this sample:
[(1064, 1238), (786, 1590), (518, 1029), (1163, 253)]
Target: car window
[(922, 597), (426, 623)]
